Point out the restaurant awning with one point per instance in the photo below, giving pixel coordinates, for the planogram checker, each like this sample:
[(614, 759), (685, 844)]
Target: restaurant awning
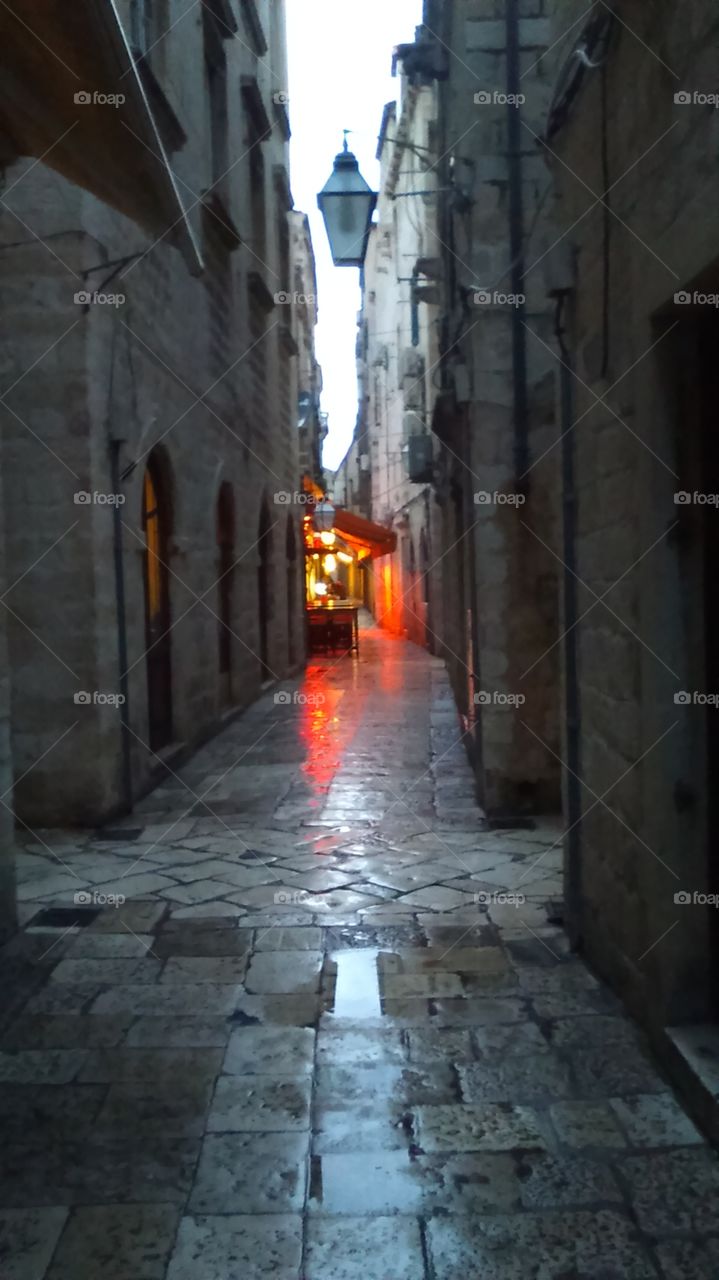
[(59, 54), (359, 532)]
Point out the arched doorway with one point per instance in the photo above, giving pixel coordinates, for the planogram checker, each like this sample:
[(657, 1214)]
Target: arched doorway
[(225, 587), (291, 547), (156, 529), (264, 590)]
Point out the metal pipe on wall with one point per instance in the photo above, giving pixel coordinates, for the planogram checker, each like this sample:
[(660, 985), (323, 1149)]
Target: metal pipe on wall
[(516, 242), (572, 701), (115, 446)]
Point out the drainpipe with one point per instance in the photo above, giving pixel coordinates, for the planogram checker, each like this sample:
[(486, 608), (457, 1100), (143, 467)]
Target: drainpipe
[(516, 244), (573, 868), (115, 446)]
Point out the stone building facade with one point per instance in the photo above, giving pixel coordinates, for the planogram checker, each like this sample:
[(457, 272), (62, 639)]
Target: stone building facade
[(387, 473), (311, 421), (487, 499), (150, 418), (631, 141)]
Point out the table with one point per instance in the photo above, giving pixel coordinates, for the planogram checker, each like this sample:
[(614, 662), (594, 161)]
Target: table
[(333, 627)]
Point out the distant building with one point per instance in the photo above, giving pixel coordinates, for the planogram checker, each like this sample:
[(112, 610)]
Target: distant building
[(387, 473), (311, 421)]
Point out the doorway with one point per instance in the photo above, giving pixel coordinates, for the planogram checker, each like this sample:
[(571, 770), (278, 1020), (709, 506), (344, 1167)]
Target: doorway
[(156, 529), (708, 476), (291, 592), (225, 588), (264, 591)]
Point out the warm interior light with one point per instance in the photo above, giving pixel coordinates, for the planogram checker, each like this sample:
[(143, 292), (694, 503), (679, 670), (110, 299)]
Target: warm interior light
[(330, 564), (328, 539), (344, 557), (320, 588)]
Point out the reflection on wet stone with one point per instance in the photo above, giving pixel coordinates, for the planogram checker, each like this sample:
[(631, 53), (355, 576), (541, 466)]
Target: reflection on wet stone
[(373, 1081)]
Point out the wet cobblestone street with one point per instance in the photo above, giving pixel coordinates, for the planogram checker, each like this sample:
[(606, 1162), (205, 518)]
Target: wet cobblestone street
[(330, 1034)]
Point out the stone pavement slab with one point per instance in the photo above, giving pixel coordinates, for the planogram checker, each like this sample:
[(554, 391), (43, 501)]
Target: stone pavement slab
[(314, 1044)]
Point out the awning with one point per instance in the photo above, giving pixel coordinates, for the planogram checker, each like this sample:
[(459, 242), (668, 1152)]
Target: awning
[(56, 56), (360, 532)]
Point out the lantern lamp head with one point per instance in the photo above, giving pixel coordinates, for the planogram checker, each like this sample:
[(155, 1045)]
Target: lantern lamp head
[(347, 204)]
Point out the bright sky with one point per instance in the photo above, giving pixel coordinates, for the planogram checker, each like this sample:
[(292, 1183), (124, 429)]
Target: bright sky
[(340, 78)]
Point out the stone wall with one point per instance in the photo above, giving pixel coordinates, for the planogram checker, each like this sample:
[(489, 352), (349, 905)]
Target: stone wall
[(501, 514), (8, 918), (646, 832), (149, 374)]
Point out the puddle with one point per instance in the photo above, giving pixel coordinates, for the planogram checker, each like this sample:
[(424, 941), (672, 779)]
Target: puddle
[(357, 990)]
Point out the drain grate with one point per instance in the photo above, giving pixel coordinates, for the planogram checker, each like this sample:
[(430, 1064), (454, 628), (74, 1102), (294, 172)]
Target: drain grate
[(64, 918)]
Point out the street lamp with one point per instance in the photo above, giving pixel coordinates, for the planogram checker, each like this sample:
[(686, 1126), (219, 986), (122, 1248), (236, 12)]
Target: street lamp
[(324, 516), (347, 204)]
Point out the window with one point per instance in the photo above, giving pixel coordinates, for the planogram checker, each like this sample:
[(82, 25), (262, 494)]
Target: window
[(216, 68), (149, 24), (141, 25), (259, 203)]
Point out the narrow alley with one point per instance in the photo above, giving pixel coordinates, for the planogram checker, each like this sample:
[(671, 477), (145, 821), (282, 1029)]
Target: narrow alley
[(304, 1016), (359, 640)]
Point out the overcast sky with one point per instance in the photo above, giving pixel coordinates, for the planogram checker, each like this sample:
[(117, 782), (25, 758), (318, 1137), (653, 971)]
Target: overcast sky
[(340, 78)]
